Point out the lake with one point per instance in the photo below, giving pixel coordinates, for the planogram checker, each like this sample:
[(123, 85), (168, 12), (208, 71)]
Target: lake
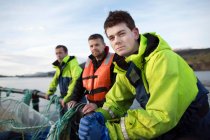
[(43, 83)]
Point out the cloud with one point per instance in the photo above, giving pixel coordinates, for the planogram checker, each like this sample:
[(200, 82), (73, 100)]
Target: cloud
[(182, 23), (30, 30), (19, 64)]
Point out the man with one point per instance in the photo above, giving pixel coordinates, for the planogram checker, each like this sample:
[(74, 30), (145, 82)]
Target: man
[(95, 81), (66, 75), (174, 103), (97, 77)]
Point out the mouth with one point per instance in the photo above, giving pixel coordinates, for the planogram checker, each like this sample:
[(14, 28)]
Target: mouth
[(95, 53), (119, 48)]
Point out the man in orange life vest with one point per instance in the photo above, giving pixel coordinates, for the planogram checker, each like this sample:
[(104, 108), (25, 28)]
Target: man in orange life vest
[(97, 77)]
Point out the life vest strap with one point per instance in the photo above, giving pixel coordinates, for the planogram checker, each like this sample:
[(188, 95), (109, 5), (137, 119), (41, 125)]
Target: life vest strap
[(90, 77), (97, 90)]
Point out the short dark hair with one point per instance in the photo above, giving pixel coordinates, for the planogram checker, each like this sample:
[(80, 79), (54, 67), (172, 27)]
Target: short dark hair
[(117, 17), (62, 46), (96, 36)]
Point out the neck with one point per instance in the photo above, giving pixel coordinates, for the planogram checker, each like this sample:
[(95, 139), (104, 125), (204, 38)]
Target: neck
[(60, 61), (136, 48)]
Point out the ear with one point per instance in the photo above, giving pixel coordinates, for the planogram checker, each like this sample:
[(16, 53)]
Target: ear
[(136, 33)]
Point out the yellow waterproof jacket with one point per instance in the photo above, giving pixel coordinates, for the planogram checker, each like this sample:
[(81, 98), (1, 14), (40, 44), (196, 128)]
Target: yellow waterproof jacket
[(171, 85), (66, 76)]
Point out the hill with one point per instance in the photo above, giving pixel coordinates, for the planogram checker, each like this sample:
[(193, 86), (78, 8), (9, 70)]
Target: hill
[(199, 59)]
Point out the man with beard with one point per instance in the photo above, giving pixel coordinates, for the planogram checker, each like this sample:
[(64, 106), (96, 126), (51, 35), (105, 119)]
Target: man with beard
[(97, 77), (95, 81)]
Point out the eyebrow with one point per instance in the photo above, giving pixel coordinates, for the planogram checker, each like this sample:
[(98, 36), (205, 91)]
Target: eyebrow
[(94, 44), (117, 33), (120, 31)]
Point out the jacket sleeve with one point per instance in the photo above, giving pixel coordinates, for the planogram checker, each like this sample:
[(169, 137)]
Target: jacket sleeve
[(172, 87), (53, 84), (117, 102), (79, 90), (75, 73)]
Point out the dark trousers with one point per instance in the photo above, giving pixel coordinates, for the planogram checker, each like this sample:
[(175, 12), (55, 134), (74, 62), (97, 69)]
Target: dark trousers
[(63, 110), (74, 123)]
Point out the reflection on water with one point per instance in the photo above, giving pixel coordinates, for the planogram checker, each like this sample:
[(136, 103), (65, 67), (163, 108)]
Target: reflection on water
[(40, 84), (43, 83)]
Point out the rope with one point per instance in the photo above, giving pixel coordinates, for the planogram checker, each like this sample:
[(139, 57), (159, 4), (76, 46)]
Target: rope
[(53, 99), (56, 128), (36, 132), (9, 91), (27, 96), (61, 124)]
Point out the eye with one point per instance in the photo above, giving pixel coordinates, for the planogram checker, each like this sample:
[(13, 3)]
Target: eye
[(111, 38), (121, 33)]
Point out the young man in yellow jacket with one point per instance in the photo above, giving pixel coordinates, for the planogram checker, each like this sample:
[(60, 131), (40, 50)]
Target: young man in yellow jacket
[(66, 75), (174, 103)]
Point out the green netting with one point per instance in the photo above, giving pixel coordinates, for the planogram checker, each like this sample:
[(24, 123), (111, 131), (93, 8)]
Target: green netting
[(17, 116), (61, 128), (27, 96)]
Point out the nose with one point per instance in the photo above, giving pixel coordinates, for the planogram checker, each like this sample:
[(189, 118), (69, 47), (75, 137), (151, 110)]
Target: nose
[(117, 40), (94, 47)]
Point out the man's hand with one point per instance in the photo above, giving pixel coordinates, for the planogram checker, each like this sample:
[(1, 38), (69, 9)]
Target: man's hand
[(93, 127), (89, 108), (46, 96), (62, 103), (71, 104)]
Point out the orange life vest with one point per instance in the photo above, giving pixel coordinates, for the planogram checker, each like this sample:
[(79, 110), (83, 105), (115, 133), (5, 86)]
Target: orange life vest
[(97, 83)]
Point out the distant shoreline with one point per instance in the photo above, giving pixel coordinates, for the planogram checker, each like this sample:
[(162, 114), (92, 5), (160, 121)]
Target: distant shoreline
[(198, 59), (51, 74)]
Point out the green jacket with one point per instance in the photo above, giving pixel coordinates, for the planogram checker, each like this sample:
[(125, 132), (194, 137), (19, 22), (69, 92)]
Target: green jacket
[(66, 76), (171, 85)]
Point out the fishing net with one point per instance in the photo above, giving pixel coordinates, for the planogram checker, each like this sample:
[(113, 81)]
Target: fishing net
[(19, 120), (18, 117)]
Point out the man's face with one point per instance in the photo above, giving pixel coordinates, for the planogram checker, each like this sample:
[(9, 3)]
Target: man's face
[(97, 47), (122, 39), (60, 54)]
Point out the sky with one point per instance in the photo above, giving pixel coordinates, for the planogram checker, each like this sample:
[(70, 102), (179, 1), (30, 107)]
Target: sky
[(31, 29)]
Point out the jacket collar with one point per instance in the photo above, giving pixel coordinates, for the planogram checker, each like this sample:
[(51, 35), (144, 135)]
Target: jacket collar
[(138, 57), (64, 61), (149, 44)]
